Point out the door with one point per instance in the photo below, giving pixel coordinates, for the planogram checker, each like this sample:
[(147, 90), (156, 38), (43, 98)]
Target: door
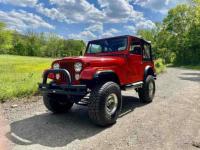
[(135, 61), (147, 57)]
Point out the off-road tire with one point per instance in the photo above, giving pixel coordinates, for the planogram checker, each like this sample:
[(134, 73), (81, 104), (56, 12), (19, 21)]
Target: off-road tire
[(97, 103), (57, 103), (143, 92)]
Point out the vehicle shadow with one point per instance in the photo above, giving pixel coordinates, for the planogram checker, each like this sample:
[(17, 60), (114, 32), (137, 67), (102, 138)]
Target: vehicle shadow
[(129, 104), (190, 76), (59, 130)]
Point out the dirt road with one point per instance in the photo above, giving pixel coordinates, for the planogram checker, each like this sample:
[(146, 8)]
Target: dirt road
[(4, 128), (172, 121)]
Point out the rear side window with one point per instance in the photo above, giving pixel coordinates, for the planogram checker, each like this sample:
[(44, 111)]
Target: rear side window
[(147, 52), (136, 48)]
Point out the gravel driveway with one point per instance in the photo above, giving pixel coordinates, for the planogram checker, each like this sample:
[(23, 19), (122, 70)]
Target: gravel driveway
[(172, 121)]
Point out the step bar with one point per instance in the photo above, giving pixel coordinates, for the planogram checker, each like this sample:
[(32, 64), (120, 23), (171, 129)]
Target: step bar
[(133, 86)]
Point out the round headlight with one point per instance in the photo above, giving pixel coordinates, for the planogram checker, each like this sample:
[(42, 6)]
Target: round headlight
[(56, 66), (78, 66)]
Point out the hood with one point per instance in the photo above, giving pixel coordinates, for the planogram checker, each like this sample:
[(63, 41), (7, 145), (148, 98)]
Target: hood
[(96, 61)]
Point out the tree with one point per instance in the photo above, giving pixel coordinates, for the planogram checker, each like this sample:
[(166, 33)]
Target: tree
[(5, 39), (183, 24), (177, 39)]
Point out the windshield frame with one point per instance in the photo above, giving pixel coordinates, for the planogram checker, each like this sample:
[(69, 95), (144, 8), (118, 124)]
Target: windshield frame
[(90, 42)]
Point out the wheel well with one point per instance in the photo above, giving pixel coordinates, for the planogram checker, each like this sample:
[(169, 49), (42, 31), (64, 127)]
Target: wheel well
[(148, 71), (102, 77), (108, 77)]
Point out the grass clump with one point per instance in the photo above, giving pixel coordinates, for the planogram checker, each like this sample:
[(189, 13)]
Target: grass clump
[(19, 75)]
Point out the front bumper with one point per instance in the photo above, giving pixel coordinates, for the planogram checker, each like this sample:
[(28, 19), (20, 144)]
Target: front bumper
[(65, 89)]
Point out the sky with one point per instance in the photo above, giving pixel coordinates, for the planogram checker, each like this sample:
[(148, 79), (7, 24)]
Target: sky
[(84, 19)]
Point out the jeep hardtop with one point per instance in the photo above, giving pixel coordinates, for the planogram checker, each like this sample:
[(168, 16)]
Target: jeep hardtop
[(96, 79)]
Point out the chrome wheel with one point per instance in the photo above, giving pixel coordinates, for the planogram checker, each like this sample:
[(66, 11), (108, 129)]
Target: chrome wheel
[(111, 104), (151, 89)]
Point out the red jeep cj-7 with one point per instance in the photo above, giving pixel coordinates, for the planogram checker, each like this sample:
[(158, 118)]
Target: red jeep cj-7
[(97, 78)]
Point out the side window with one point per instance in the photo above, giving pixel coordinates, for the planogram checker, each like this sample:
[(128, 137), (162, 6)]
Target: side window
[(94, 48), (136, 48), (147, 52)]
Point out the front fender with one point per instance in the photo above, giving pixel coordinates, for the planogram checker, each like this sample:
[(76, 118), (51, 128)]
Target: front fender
[(88, 73), (91, 73), (94, 72)]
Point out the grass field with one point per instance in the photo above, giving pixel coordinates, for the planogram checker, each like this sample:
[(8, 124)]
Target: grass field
[(197, 67), (19, 75)]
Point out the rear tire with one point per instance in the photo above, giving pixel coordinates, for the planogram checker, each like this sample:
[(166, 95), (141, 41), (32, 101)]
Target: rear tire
[(57, 103), (105, 104), (147, 92)]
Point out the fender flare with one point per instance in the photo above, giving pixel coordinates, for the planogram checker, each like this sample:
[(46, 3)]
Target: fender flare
[(108, 73), (149, 71), (103, 72)]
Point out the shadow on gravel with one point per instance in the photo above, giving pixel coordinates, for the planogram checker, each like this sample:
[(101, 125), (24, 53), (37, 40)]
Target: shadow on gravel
[(190, 76), (129, 104), (59, 130)]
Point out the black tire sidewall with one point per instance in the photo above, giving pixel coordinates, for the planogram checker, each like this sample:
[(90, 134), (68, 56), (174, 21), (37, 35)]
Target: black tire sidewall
[(144, 91), (104, 94), (98, 97), (148, 81), (53, 103)]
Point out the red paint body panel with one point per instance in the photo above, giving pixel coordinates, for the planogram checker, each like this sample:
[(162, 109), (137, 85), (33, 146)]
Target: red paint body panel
[(128, 67)]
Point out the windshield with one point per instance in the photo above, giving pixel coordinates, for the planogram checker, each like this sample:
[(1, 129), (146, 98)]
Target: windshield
[(107, 45)]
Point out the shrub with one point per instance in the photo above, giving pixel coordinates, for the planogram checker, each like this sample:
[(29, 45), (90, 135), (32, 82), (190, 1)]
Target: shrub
[(160, 66)]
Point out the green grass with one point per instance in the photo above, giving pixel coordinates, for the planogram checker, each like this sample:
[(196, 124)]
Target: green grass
[(19, 75), (160, 66), (197, 67)]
